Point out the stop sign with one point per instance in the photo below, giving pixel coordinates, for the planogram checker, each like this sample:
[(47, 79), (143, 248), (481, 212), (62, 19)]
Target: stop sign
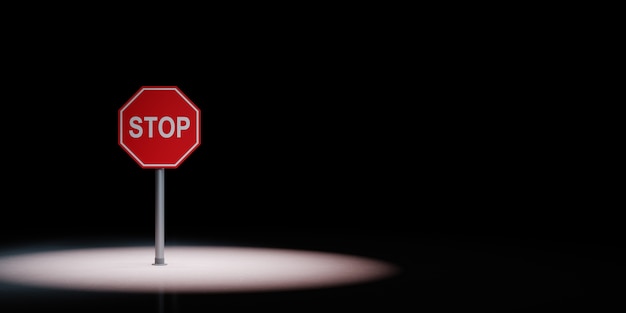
[(159, 127)]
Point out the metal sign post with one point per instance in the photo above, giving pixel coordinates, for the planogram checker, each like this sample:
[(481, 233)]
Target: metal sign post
[(159, 225)]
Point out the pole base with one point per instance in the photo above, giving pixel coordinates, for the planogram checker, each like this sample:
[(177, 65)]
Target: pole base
[(158, 261)]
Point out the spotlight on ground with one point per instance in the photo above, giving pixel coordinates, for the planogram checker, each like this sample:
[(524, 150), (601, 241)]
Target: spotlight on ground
[(190, 269)]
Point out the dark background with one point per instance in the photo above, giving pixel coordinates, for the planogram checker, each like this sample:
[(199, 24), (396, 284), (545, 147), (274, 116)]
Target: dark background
[(353, 130)]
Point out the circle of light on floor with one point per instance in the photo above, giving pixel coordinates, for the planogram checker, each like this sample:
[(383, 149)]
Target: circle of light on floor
[(190, 269)]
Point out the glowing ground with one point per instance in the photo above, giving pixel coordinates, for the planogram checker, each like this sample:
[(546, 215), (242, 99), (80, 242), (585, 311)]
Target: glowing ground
[(190, 269)]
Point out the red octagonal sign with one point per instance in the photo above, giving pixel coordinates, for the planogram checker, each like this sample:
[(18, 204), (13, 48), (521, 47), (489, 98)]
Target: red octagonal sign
[(159, 127)]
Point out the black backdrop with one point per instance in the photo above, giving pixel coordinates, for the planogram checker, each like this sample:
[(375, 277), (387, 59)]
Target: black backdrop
[(359, 138), (383, 131)]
